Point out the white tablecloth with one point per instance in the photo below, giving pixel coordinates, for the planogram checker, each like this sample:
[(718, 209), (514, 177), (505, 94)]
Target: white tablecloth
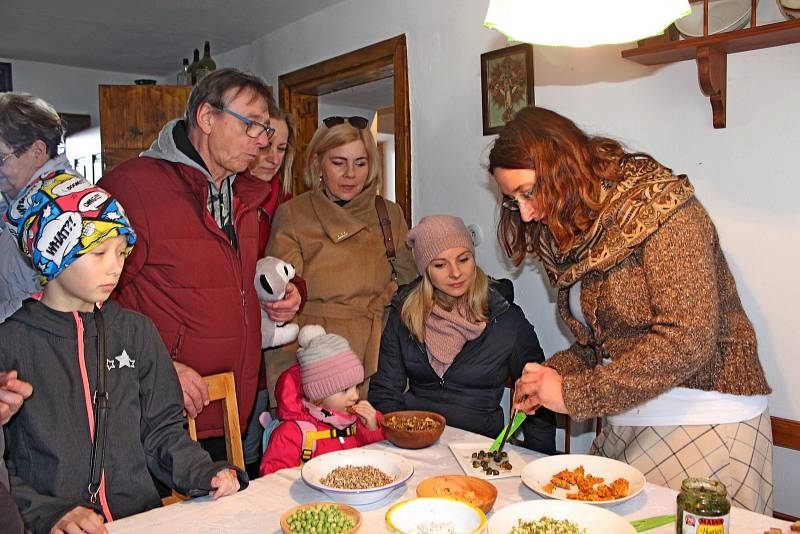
[(258, 509)]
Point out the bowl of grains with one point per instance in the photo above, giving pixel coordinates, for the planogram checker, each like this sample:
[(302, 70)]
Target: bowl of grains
[(413, 429), (357, 476), (432, 515)]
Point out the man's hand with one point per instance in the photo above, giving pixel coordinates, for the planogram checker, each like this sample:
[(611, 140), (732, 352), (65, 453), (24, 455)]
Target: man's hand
[(539, 385), (12, 392), (80, 520), (195, 390), (284, 310), (224, 483)]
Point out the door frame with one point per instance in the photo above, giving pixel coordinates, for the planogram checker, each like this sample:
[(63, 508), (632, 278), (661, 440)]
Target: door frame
[(299, 90)]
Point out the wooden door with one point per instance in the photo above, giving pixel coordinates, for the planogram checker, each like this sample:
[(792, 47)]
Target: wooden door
[(131, 116), (299, 91)]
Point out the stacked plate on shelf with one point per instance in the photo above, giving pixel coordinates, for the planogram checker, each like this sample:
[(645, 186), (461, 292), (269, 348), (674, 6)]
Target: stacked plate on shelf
[(790, 8), (723, 16)]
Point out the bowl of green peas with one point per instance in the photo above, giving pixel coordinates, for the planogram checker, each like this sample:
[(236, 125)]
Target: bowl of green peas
[(321, 518)]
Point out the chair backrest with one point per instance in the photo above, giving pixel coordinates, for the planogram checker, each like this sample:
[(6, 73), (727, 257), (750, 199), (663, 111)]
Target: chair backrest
[(222, 387), (786, 434)]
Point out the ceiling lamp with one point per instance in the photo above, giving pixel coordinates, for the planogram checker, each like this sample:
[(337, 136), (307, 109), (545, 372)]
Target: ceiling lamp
[(582, 23)]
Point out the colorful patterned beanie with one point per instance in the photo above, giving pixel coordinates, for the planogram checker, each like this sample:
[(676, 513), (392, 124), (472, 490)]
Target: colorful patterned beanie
[(60, 217)]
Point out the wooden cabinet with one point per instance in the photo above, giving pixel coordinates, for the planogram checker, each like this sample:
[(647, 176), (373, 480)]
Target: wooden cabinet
[(131, 116)]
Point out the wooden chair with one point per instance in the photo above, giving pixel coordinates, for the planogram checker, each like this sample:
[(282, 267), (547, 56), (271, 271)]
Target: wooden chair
[(221, 387), (786, 434)]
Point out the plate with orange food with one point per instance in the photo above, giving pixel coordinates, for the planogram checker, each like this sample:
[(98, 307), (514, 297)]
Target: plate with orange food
[(584, 478)]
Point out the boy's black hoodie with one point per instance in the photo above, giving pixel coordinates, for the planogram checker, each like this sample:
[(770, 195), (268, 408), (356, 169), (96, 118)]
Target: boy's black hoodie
[(48, 446)]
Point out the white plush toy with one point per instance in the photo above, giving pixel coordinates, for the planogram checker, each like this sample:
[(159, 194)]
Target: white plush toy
[(272, 276)]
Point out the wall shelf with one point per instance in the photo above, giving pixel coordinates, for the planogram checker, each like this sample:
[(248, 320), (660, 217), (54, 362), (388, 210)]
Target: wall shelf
[(711, 53)]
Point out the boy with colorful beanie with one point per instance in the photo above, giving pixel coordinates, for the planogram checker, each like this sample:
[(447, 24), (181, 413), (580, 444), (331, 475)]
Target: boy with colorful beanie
[(107, 409)]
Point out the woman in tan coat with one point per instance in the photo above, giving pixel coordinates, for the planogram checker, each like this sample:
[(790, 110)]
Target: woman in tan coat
[(663, 347), (333, 237)]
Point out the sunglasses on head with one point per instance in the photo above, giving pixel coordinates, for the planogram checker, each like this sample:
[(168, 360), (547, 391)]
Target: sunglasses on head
[(355, 121)]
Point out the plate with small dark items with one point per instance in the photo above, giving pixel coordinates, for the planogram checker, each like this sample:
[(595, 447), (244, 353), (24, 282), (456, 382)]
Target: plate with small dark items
[(476, 460)]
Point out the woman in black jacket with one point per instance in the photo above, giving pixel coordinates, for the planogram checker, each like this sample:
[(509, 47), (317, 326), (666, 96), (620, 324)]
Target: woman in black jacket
[(453, 338)]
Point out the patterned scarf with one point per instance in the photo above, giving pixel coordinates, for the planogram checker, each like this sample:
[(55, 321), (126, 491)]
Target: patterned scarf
[(337, 420), (633, 209), (446, 332)]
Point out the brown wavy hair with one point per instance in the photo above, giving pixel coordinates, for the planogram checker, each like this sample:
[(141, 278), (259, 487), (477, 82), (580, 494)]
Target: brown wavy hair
[(570, 168)]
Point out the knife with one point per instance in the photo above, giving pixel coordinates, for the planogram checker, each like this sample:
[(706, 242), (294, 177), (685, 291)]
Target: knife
[(652, 522)]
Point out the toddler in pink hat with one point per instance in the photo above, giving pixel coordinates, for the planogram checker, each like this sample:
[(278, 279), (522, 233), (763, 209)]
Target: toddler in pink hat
[(318, 403)]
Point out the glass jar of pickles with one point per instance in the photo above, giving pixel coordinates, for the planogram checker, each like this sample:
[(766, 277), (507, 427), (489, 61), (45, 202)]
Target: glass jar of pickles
[(703, 507)]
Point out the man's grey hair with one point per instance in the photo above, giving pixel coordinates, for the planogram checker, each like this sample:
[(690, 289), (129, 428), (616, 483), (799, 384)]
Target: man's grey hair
[(215, 87)]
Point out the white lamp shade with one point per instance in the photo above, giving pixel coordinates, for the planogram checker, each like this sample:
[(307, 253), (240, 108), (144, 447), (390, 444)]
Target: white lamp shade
[(582, 23)]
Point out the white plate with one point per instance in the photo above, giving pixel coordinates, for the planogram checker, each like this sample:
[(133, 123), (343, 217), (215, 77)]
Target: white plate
[(594, 520), (723, 16), (391, 464), (405, 517), (538, 473), (463, 453)]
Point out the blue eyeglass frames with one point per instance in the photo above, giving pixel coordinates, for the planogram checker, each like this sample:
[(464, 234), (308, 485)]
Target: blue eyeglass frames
[(253, 129)]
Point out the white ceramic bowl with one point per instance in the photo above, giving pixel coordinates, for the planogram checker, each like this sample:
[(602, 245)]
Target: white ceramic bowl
[(538, 473), (404, 517), (393, 465), (595, 520), (723, 16)]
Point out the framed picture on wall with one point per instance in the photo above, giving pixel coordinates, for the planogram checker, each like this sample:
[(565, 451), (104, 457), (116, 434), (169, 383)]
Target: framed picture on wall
[(506, 84), (5, 77)]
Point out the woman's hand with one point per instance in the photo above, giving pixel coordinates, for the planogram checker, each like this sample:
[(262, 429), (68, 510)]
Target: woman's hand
[(364, 410), (284, 310), (224, 483), (539, 385), (80, 520)]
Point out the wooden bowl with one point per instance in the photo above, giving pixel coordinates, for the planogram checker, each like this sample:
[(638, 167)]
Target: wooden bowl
[(457, 487), (344, 508), (412, 439)]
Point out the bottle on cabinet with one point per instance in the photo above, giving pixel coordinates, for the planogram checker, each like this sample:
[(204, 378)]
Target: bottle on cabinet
[(193, 66), (184, 76), (206, 64)]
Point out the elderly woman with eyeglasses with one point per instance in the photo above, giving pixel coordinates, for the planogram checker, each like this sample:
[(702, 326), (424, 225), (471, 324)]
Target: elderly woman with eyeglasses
[(31, 133), (663, 347), (332, 235)]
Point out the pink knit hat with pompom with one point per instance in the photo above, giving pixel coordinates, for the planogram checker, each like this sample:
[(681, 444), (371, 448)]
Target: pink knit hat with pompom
[(327, 363)]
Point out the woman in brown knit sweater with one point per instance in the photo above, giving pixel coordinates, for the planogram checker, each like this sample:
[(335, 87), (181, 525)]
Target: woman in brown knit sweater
[(662, 346)]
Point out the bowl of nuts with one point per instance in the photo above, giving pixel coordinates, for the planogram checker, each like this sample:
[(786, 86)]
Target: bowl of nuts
[(357, 476), (413, 429)]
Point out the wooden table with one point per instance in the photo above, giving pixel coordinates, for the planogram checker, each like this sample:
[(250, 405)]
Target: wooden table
[(257, 509)]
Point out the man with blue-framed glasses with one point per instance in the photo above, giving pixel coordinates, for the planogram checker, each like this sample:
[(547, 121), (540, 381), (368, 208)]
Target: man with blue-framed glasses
[(194, 205)]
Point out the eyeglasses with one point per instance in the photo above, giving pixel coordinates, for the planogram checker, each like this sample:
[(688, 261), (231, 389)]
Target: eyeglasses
[(512, 203), (6, 157), (253, 129), (355, 121)]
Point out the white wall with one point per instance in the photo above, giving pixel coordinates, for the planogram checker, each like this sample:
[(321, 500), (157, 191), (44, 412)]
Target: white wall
[(746, 174), (68, 89)]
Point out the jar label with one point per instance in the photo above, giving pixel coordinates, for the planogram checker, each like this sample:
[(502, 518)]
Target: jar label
[(701, 524)]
